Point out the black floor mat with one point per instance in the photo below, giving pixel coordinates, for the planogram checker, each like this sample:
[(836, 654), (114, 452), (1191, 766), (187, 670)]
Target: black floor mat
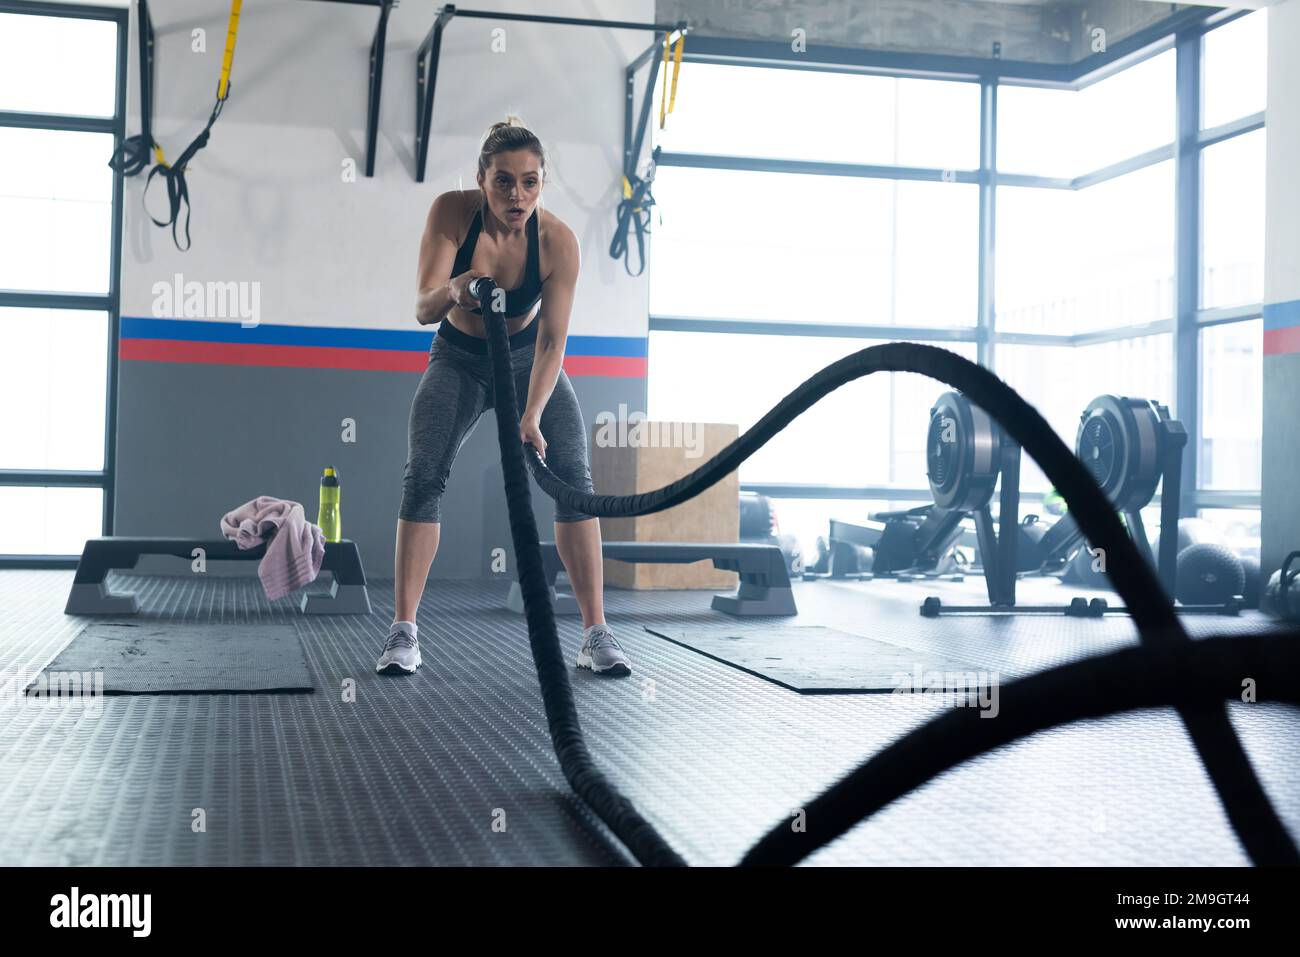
[(173, 658), (817, 660)]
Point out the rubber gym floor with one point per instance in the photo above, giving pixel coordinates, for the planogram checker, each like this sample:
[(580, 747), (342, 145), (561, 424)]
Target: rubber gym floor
[(454, 765)]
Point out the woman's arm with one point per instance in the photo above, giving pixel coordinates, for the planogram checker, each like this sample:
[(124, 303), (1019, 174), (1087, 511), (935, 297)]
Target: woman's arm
[(436, 290), (557, 303)]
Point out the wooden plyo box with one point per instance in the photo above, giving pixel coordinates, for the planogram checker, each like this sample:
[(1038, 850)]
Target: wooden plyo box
[(650, 457)]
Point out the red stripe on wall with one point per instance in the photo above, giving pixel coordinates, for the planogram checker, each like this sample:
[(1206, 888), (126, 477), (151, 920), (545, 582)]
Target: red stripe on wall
[(240, 354), (1281, 341), (629, 367), (330, 357)]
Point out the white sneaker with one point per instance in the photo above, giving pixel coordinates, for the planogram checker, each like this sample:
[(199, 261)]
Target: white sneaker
[(602, 654), (401, 653)]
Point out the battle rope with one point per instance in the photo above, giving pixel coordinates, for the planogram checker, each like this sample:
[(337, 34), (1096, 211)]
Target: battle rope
[(637, 834), (1249, 810), (1186, 676)]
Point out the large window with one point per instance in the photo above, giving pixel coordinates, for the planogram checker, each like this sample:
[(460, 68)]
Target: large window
[(1232, 213), (1235, 70), (1060, 381), (1232, 395), (795, 202), (1067, 133), (801, 115), (60, 86), (1100, 257), (742, 244)]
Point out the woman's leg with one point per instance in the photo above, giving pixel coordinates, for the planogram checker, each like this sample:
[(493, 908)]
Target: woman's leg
[(447, 404), (417, 544), (579, 546), (577, 536)]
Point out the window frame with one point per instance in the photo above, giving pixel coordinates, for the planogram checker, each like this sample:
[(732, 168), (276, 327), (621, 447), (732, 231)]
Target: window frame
[(109, 302), (1183, 32)]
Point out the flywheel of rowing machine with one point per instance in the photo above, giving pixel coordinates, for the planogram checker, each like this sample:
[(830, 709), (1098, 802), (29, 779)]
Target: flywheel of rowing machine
[(962, 453), (1120, 443)]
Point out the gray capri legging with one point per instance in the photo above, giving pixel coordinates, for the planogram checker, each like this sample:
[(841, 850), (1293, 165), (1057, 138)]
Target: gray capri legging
[(454, 392)]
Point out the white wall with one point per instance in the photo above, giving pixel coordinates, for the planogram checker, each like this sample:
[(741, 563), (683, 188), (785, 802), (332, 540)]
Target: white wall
[(269, 203), (1282, 219), (1281, 428)]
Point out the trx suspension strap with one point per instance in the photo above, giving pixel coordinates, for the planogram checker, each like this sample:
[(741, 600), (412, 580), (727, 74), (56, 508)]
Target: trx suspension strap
[(133, 156), (634, 209), (669, 99)]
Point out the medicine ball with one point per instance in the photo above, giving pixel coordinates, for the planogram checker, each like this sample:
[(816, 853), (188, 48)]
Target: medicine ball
[(1194, 531), (1250, 566), (1209, 574)]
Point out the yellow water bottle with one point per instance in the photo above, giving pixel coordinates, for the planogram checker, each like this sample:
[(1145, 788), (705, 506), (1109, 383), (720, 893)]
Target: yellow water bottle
[(328, 518)]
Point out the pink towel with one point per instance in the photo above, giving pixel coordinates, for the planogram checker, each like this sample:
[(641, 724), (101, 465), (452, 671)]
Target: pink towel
[(296, 548)]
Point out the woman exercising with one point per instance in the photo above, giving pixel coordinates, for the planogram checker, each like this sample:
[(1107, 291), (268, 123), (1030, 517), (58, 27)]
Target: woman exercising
[(498, 230)]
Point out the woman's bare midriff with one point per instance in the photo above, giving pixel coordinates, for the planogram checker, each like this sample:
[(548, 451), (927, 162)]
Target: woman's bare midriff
[(472, 325)]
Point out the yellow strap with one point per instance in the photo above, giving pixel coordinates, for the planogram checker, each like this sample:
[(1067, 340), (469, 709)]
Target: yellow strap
[(627, 189), (663, 102), (677, 66), (668, 100), (158, 155), (223, 85)]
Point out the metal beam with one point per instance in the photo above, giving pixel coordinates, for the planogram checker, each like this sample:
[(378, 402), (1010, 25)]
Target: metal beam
[(44, 478), (1217, 134), (55, 121), (733, 51), (1187, 258), (74, 11), (376, 84), (796, 490), (762, 327), (761, 164), (376, 79), (115, 275), (570, 21), (988, 177), (426, 69), (1227, 498), (1028, 179), (1124, 167), (1216, 317), (55, 300), (1154, 328), (647, 101), (426, 79)]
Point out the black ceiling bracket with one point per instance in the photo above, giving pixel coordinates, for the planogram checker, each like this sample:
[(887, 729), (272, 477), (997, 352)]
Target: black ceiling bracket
[(426, 76), (376, 80), (426, 63)]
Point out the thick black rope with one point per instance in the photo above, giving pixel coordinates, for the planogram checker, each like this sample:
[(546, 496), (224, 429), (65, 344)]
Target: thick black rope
[(1244, 800), (1184, 675), (640, 837)]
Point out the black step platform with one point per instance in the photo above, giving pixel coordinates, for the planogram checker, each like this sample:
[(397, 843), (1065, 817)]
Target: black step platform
[(764, 582), (89, 596)]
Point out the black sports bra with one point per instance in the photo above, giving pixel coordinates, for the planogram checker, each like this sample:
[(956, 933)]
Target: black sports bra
[(518, 301)]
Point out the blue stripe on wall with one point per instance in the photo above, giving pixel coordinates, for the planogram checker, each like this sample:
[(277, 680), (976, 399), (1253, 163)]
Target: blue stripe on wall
[(192, 330), (1282, 315)]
